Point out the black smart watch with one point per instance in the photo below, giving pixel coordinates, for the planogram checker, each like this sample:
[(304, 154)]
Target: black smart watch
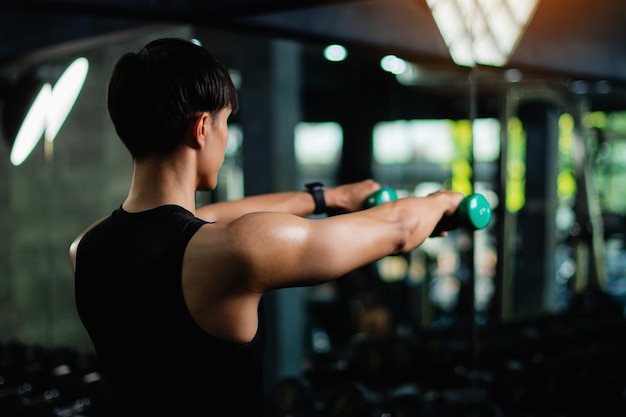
[(317, 191)]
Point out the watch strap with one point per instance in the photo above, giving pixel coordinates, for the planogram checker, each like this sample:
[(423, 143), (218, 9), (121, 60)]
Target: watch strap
[(317, 191)]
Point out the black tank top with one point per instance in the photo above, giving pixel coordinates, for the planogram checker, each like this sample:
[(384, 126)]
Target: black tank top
[(154, 356)]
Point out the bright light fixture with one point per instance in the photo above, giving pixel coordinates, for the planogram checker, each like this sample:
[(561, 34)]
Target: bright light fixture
[(335, 53), (393, 64), (33, 126), (49, 110), (64, 95), (481, 31)]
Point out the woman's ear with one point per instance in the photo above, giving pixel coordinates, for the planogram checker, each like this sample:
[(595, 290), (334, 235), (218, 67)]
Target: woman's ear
[(200, 130)]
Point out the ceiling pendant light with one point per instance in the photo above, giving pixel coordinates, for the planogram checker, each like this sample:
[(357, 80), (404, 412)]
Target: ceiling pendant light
[(481, 31)]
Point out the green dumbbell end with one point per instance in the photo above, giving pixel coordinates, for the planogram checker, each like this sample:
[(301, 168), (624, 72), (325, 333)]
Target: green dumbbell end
[(383, 195), (474, 212)]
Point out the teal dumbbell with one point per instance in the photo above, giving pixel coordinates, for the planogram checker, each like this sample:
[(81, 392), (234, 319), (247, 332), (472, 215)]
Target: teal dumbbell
[(473, 212), (381, 196)]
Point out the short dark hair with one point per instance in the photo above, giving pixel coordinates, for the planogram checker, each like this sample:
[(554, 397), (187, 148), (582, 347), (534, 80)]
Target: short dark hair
[(154, 94)]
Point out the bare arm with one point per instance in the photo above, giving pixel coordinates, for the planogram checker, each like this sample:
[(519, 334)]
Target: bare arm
[(343, 198), (279, 250)]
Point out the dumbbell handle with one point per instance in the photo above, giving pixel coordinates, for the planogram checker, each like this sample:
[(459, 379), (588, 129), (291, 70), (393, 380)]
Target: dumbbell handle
[(473, 212)]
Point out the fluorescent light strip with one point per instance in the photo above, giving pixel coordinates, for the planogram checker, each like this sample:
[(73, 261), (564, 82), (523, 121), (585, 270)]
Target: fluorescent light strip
[(64, 95), (33, 126), (49, 110)]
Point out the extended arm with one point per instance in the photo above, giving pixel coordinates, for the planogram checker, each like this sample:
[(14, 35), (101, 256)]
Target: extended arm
[(229, 265), (279, 250), (344, 198)]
